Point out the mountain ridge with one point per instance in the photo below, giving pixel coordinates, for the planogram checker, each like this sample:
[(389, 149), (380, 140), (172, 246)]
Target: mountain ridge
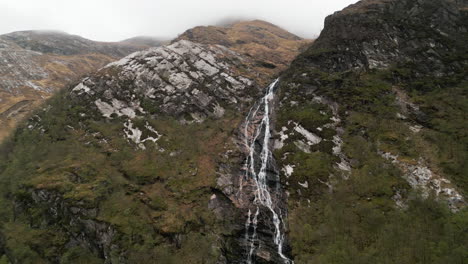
[(273, 47), (382, 92), (37, 63), (49, 41)]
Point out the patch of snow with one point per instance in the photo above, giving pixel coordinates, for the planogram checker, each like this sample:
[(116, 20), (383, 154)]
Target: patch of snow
[(279, 143), (134, 134), (305, 184), (288, 170), (344, 165), (312, 139)]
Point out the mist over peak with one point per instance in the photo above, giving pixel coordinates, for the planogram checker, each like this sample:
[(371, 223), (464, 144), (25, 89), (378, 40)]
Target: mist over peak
[(122, 19)]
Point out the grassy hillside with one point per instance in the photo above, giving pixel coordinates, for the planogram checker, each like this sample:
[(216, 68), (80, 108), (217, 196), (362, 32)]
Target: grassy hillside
[(386, 181), (353, 217), (59, 181)]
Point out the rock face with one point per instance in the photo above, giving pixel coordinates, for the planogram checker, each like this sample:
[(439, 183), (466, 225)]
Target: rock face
[(383, 35), (375, 34), (185, 80), (37, 63), (363, 112), (271, 47), (192, 83), (249, 178)]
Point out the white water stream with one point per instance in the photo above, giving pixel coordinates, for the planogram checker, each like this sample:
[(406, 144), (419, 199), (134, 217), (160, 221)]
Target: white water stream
[(263, 196)]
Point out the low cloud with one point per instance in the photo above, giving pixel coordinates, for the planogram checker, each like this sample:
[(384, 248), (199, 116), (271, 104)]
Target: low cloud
[(113, 20)]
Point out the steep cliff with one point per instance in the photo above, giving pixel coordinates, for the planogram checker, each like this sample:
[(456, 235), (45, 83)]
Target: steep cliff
[(371, 136)]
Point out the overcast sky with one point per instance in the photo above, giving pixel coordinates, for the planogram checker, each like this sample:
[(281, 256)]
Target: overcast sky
[(113, 20)]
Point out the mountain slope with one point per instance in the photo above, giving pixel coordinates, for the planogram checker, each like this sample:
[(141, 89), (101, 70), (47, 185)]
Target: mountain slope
[(60, 43), (371, 136), (36, 63), (271, 47), (146, 134), (171, 118)]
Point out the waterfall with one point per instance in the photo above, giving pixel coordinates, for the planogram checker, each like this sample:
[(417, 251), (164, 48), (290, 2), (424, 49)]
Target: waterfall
[(256, 170)]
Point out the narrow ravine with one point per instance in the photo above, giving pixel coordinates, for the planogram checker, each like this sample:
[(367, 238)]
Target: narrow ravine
[(259, 163)]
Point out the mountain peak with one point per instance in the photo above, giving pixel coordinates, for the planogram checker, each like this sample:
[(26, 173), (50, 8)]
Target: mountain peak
[(37, 32), (272, 47), (182, 79), (149, 41), (374, 33)]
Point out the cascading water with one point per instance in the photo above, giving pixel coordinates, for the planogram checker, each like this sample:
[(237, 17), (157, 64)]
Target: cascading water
[(257, 163)]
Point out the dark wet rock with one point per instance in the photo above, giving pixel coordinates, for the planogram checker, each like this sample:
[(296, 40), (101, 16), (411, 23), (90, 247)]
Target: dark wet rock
[(78, 222), (374, 34), (240, 189)]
